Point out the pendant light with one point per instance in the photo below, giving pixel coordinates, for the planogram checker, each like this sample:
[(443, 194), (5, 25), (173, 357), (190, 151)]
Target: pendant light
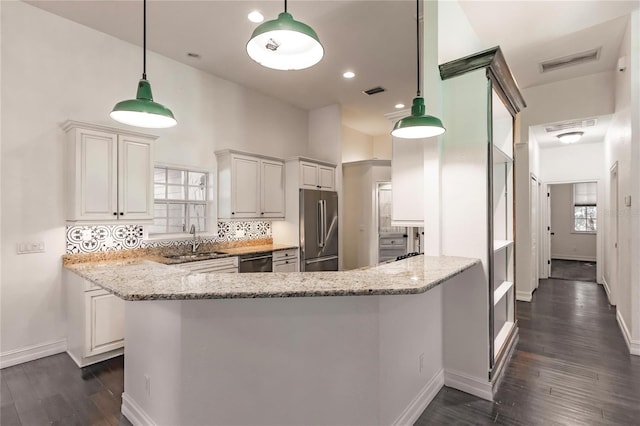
[(143, 111), (285, 44), (418, 125)]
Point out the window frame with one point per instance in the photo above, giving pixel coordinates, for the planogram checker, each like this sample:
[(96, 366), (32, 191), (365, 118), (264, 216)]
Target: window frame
[(585, 207), (186, 202)]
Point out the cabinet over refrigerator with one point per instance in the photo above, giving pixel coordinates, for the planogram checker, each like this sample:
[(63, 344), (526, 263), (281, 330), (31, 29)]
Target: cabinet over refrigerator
[(318, 230)]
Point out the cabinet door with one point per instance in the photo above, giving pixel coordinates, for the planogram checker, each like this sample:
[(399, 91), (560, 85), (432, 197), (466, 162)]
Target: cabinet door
[(245, 187), (96, 179), (104, 322), (326, 178), (308, 175), (135, 178), (290, 265), (272, 189)]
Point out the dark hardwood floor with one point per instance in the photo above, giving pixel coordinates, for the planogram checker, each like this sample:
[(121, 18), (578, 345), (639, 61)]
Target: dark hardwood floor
[(571, 367), (573, 270), (54, 391)]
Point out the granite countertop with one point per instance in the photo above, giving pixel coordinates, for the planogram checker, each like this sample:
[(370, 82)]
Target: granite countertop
[(143, 279)]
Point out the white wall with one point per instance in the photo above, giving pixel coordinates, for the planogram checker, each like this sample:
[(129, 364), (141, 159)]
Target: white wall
[(54, 70), (580, 97), (382, 147), (356, 146), (566, 244), (622, 146)]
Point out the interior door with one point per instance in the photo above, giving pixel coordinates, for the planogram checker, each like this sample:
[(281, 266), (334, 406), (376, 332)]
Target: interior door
[(534, 231), (612, 265)]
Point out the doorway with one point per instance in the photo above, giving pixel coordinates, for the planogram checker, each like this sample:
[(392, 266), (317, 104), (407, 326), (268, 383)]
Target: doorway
[(573, 231)]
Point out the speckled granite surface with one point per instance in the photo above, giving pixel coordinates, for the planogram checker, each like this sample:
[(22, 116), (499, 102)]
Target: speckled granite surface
[(141, 279)]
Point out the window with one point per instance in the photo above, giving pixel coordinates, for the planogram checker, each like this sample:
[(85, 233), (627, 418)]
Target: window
[(180, 200), (585, 211)]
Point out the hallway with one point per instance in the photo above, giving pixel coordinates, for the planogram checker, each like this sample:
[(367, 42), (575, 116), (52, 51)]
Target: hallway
[(571, 367)]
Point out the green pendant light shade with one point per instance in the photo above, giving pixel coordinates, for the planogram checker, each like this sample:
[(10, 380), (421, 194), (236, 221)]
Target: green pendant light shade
[(143, 111), (285, 44), (418, 125)]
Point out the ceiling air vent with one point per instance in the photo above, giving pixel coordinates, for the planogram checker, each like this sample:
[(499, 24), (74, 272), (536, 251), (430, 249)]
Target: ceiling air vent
[(576, 124), (570, 60), (374, 90)]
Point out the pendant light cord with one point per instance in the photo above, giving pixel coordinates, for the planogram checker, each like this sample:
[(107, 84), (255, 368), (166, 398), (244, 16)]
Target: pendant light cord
[(417, 43), (285, 6), (144, 39)]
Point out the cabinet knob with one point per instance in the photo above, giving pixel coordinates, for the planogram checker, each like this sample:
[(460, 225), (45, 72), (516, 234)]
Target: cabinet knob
[(115, 214), (262, 213), (318, 186), (121, 214), (233, 212), (286, 261), (286, 254)]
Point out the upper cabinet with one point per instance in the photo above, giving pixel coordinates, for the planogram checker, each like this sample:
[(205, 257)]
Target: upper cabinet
[(249, 186), (109, 174), (317, 175)]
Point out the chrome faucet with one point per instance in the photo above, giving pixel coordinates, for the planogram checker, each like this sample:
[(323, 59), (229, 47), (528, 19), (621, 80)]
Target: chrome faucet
[(194, 244)]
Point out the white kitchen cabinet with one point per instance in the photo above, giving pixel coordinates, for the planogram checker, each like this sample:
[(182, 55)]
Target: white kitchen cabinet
[(109, 174), (315, 175), (95, 321), (223, 265), (249, 186), (285, 260)]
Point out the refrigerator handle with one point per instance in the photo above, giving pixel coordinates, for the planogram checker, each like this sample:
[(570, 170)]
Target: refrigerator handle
[(324, 222), (319, 228)]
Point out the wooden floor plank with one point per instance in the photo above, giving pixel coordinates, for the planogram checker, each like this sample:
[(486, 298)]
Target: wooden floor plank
[(571, 367)]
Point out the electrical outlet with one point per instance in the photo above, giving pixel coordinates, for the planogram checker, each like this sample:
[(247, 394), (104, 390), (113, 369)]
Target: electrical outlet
[(147, 384), (30, 247), (421, 362)]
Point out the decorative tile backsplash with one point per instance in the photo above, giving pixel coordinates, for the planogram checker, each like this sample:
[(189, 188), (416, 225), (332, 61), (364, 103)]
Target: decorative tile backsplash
[(98, 238)]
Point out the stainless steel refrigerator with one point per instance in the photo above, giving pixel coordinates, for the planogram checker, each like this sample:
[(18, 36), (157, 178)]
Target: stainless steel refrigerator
[(318, 230)]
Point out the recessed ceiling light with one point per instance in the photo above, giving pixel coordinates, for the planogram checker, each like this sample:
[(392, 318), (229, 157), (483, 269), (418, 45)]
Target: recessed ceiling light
[(255, 16), (349, 74), (570, 137), (193, 55), (399, 106)]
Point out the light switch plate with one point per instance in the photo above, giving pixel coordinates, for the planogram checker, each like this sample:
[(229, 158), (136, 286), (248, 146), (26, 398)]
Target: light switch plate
[(30, 247), (627, 201)]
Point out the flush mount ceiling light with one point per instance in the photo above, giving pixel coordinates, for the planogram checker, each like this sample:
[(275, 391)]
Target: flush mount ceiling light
[(143, 111), (418, 125), (285, 44), (399, 106), (349, 74), (570, 137)]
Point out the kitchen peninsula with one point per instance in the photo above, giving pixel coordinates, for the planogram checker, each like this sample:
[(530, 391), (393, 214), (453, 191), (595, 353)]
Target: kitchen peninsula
[(282, 348)]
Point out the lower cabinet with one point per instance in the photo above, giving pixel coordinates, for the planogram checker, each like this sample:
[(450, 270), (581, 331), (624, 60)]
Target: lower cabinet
[(285, 261), (95, 321), (224, 265)]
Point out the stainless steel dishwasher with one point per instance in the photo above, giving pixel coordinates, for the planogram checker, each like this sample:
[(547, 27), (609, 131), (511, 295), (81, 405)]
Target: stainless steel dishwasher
[(259, 262)]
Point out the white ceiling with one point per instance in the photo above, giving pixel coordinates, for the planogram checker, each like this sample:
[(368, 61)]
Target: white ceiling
[(374, 38), (592, 134)]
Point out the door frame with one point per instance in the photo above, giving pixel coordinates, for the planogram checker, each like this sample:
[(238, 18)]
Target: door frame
[(535, 229), (612, 272), (599, 231)]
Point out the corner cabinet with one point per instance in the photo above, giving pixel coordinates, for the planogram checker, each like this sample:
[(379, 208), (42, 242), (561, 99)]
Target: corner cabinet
[(481, 101), (249, 186), (95, 321), (109, 174)]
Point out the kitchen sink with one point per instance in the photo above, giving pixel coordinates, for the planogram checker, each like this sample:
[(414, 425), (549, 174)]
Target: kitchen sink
[(196, 256)]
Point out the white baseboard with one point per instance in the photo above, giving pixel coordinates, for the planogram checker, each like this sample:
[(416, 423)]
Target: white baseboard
[(30, 353), (524, 296), (607, 290), (632, 345), (572, 257), (415, 408), (473, 385), (132, 411)]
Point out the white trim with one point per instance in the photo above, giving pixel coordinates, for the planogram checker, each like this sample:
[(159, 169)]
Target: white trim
[(607, 290), (132, 411), (71, 124), (524, 296), (572, 257), (473, 385), (632, 345), (30, 353), (415, 408)]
